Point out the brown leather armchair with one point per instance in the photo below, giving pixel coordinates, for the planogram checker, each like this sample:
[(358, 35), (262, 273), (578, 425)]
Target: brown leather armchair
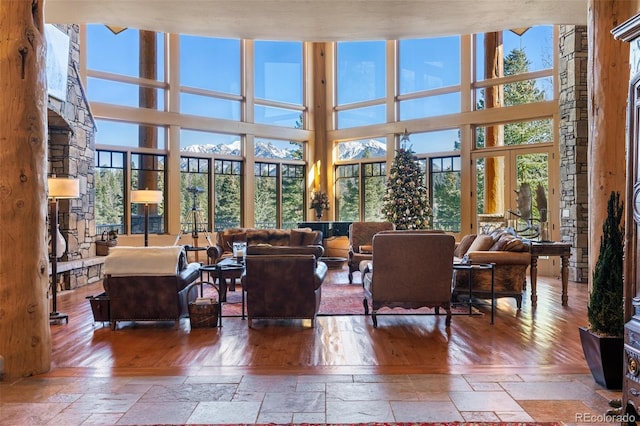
[(360, 242), (283, 282), (149, 283), (410, 269)]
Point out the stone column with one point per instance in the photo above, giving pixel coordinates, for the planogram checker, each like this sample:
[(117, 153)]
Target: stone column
[(573, 142)]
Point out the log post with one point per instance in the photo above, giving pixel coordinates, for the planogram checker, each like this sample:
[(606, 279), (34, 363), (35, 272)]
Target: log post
[(608, 66), (494, 134), (25, 336)]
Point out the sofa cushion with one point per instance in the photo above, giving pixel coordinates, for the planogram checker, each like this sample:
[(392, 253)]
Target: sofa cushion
[(303, 237), (227, 237), (275, 237), (464, 245), (481, 243)]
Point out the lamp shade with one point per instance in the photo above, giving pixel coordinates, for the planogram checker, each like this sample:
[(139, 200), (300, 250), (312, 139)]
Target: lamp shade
[(146, 196), (60, 188)]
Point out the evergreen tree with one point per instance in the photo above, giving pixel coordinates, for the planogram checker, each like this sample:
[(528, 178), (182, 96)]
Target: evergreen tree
[(406, 202), (606, 302)]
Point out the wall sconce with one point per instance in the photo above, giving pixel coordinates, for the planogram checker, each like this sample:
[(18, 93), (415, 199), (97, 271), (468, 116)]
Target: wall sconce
[(59, 189), (146, 197)]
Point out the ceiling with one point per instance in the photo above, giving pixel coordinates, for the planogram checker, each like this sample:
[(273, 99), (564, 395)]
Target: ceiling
[(318, 20)]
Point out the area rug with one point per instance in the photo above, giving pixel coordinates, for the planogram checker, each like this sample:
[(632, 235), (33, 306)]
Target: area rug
[(398, 424), (337, 299)]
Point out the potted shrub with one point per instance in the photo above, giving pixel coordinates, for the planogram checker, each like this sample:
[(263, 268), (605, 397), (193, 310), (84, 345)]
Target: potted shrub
[(603, 342)]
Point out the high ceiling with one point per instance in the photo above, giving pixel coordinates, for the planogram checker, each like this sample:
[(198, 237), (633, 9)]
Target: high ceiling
[(319, 20)]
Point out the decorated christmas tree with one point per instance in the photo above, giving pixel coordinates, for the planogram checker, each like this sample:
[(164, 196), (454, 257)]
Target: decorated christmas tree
[(406, 202)]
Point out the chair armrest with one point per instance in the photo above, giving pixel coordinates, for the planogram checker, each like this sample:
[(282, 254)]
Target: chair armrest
[(214, 253), (320, 274)]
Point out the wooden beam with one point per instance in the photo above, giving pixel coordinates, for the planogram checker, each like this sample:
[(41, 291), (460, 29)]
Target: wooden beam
[(608, 66)]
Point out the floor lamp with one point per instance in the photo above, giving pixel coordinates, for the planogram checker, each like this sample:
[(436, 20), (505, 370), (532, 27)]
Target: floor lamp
[(59, 189), (146, 197)]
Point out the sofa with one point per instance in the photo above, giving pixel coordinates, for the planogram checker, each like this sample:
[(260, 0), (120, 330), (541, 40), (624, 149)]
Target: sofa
[(511, 257), (283, 282), (410, 269), (149, 283), (273, 237)]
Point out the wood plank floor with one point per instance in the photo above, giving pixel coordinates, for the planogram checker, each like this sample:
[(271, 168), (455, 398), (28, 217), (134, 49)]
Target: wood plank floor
[(543, 340)]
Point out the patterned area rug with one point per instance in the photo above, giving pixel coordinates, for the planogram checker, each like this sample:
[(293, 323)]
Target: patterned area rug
[(337, 299), (408, 424)]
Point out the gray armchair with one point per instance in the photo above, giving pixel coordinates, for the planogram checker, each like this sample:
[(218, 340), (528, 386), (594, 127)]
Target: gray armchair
[(410, 270)]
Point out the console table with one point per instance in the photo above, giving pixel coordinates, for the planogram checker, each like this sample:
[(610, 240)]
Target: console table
[(550, 248)]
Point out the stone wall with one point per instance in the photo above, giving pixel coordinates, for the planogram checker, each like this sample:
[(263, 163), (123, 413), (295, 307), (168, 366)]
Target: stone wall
[(71, 154), (573, 148)]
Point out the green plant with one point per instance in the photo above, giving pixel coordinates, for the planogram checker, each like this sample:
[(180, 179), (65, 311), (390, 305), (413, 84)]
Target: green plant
[(606, 305)]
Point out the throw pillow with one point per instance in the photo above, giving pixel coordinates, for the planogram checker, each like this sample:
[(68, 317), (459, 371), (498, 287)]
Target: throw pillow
[(300, 237), (311, 238), (482, 242), (464, 245), (516, 245), (502, 242)]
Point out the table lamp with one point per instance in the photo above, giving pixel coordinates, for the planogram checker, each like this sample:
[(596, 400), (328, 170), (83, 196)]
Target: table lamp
[(146, 197), (59, 189)]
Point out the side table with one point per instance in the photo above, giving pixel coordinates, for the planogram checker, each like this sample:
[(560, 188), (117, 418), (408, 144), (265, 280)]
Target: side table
[(550, 248), (471, 267), (221, 268)]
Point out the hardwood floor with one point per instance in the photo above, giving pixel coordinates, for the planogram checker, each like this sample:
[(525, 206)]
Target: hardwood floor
[(541, 340), (527, 367)]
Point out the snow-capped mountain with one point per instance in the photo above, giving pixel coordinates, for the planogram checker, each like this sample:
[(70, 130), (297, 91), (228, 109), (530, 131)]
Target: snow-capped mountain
[(361, 149), (346, 150), (263, 149)]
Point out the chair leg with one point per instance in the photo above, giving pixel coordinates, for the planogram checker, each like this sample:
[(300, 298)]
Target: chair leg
[(366, 306), (375, 319), (447, 322), (350, 276)]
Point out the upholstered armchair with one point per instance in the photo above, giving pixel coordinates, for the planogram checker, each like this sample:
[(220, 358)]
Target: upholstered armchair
[(149, 283), (283, 282), (360, 242), (410, 270)]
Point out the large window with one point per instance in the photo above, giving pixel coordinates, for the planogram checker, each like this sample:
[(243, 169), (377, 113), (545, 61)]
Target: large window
[(194, 189), (279, 195), (210, 77), (116, 75), (477, 100), (361, 83), (110, 191), (278, 83), (429, 77), (148, 172), (360, 189)]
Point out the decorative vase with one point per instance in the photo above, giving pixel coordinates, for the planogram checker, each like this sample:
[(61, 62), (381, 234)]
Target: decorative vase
[(61, 244), (318, 213)]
